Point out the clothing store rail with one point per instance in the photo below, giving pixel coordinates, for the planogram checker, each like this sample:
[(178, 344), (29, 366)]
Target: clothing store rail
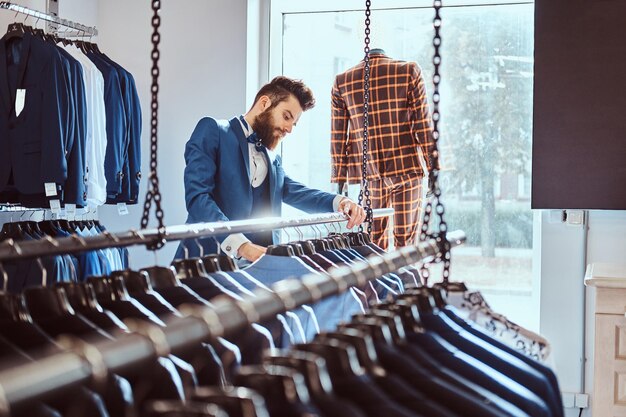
[(48, 246), (92, 362), (86, 30)]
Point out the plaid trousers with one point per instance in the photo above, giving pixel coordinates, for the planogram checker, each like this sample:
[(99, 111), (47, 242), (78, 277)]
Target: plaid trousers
[(404, 194)]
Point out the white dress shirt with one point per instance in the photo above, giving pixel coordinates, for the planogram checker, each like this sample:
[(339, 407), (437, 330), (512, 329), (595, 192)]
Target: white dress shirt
[(96, 143), (258, 172)]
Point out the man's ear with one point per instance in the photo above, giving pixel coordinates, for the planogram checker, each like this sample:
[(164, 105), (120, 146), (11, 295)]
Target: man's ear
[(265, 102)]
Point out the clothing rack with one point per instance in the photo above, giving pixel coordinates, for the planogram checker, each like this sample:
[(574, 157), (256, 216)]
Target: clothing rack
[(86, 30), (11, 250), (85, 361)]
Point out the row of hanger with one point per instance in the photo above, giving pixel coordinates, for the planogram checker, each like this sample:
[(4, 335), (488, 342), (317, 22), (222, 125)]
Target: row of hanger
[(18, 29)]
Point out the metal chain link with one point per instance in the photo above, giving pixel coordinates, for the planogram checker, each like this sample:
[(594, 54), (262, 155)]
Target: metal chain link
[(154, 193), (365, 191), (442, 241)]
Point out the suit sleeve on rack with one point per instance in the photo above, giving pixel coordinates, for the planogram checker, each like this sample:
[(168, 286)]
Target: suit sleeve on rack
[(338, 136), (75, 191), (55, 117), (200, 169), (420, 118)]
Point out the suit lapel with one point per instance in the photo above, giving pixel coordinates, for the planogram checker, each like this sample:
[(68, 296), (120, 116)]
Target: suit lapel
[(235, 126)]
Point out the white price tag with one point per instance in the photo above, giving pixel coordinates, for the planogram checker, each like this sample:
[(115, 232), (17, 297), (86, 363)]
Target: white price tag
[(63, 214), (55, 206), (20, 100), (122, 209), (70, 209), (51, 189)]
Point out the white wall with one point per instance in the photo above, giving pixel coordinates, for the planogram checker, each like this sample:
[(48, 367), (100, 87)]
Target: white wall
[(203, 73), (565, 319)]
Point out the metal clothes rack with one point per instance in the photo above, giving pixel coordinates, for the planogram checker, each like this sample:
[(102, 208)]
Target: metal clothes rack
[(11, 250), (91, 362), (86, 30)]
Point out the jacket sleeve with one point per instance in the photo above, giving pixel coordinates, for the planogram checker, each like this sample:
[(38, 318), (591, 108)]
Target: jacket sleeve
[(302, 197), (201, 166), (420, 117), (338, 136), (55, 95)]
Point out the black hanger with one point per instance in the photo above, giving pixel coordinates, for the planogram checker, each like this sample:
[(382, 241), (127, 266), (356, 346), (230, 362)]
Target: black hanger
[(189, 268), (356, 238), (338, 241), (13, 308), (320, 245), (12, 231), (45, 303), (83, 300), (139, 287), (361, 342), (277, 385), (310, 365), (171, 408), (211, 263), (407, 311), (422, 298), (166, 283), (386, 318), (280, 250), (15, 30), (237, 401), (340, 357), (437, 294), (377, 330), (227, 263), (307, 247)]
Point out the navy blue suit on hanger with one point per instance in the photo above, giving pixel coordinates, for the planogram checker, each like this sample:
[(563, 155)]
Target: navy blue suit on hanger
[(35, 144)]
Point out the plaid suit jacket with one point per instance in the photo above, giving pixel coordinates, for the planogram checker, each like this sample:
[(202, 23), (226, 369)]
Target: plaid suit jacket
[(399, 122)]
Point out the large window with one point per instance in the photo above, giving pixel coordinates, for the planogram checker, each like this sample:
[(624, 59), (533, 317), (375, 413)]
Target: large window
[(486, 99)]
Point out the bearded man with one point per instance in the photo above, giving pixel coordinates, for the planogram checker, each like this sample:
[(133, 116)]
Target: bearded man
[(232, 172)]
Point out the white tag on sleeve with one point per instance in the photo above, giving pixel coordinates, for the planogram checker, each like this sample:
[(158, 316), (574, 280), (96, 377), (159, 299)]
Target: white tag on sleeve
[(51, 189), (55, 206), (20, 100), (122, 209)]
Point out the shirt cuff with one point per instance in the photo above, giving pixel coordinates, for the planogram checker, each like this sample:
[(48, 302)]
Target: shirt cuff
[(337, 200), (232, 243)]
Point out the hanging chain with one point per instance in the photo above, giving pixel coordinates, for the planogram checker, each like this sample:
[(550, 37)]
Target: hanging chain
[(154, 193), (442, 241), (365, 191)]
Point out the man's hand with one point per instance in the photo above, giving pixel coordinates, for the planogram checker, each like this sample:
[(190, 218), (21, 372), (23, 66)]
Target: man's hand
[(355, 212), (251, 252)]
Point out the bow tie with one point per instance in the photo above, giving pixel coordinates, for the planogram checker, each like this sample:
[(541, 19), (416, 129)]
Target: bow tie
[(253, 138)]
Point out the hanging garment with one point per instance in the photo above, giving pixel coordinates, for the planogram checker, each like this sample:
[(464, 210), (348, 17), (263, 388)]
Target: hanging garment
[(399, 132)]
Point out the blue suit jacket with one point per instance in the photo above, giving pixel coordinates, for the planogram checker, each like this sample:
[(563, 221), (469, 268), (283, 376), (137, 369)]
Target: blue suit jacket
[(217, 181), (34, 146)]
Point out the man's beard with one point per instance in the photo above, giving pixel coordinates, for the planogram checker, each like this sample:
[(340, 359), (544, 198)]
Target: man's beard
[(269, 134)]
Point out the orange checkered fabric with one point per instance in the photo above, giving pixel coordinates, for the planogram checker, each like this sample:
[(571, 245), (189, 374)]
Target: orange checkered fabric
[(404, 194), (399, 122)]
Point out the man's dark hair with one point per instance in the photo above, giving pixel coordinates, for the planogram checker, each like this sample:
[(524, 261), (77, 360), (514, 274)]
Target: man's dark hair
[(281, 87)]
